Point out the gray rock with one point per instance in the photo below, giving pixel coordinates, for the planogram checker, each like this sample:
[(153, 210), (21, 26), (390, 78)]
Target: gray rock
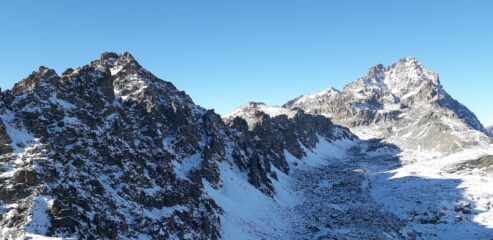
[(404, 103)]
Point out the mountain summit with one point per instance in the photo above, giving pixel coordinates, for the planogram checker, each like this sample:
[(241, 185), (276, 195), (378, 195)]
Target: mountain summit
[(110, 151), (403, 102)]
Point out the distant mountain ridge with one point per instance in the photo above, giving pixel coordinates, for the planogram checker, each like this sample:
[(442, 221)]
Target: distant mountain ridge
[(404, 103)]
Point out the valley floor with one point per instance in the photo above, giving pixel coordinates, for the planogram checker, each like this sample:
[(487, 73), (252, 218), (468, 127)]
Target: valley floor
[(363, 195), (337, 204)]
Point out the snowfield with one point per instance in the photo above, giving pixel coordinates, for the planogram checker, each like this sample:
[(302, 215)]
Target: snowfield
[(345, 190), (438, 203)]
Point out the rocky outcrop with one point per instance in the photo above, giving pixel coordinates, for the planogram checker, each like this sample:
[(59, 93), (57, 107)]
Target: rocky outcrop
[(484, 163), (275, 129)]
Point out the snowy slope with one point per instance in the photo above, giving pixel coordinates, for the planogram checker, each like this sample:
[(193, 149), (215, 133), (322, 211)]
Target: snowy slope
[(110, 151), (435, 198), (361, 190), (432, 184)]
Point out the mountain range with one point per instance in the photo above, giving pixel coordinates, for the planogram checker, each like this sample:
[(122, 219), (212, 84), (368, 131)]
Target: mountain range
[(110, 151)]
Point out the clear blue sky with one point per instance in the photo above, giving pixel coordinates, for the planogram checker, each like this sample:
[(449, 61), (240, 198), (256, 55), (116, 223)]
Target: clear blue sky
[(224, 53)]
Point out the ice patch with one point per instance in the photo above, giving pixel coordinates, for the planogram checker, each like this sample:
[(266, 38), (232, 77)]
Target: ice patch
[(39, 221)]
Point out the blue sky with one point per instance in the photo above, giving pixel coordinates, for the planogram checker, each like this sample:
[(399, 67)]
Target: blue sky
[(224, 53)]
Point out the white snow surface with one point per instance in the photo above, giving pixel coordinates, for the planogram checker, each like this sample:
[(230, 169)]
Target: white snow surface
[(422, 189), (250, 214), (414, 186)]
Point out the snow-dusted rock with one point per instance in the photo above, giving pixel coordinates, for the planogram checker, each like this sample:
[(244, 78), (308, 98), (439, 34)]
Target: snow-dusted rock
[(404, 103), (108, 150)]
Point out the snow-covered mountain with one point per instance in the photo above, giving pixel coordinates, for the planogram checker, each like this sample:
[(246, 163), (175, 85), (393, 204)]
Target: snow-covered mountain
[(108, 150), (374, 190), (404, 103)]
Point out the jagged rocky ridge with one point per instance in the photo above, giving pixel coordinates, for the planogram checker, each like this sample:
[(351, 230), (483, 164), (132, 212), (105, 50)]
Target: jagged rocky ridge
[(108, 150), (403, 103), (282, 129), (433, 178)]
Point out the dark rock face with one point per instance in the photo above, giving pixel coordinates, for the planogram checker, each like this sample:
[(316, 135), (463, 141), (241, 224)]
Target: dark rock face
[(108, 150), (484, 163), (97, 153), (269, 136), (404, 103), (293, 134)]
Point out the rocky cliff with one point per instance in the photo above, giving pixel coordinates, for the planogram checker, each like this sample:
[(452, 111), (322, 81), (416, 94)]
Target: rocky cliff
[(108, 150)]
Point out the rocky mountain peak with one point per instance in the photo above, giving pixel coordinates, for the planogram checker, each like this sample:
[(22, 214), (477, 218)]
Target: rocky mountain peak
[(253, 112), (409, 60), (115, 62), (39, 78), (120, 75), (112, 57), (409, 71), (376, 72), (402, 79), (393, 98)]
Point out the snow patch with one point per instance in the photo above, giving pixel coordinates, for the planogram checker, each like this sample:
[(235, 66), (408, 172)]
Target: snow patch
[(39, 221)]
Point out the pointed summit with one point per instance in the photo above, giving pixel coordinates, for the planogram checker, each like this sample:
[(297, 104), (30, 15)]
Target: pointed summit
[(115, 56), (38, 78), (409, 59), (410, 62), (376, 72), (116, 61), (108, 55), (405, 79), (403, 101), (251, 111), (408, 77)]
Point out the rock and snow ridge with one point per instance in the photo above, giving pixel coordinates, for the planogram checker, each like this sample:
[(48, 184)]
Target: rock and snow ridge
[(404, 103), (110, 151), (432, 184), (250, 110)]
